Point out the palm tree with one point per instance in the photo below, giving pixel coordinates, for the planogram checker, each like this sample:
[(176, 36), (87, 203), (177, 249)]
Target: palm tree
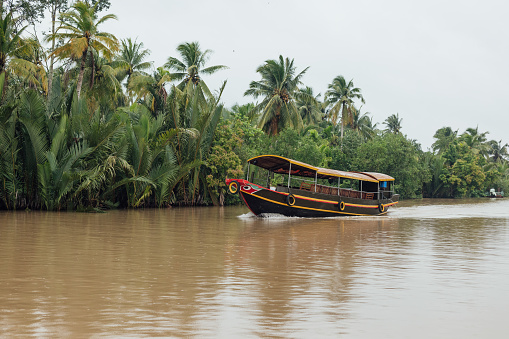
[(189, 68), (28, 64), (340, 95), (475, 140), (497, 151), (196, 125), (9, 144), (150, 89), (80, 29), (131, 59), (9, 39), (245, 110), (22, 147), (104, 87), (444, 137), (393, 124), (362, 123), (153, 165), (11, 45), (278, 89), (309, 106)]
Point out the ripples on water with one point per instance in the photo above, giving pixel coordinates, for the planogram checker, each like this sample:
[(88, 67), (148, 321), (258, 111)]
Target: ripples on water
[(427, 269), (476, 208)]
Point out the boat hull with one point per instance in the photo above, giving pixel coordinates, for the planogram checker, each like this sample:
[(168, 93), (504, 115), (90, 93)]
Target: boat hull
[(298, 203)]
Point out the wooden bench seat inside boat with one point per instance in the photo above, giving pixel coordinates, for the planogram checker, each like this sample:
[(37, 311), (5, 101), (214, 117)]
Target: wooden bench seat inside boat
[(368, 196), (307, 186)]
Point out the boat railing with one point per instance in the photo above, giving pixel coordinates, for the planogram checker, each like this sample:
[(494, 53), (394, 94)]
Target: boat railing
[(385, 194), (343, 192)]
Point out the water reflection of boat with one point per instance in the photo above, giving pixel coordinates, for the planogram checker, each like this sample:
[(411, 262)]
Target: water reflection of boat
[(293, 188)]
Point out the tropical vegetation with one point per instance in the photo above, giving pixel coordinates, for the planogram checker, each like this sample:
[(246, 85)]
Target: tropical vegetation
[(89, 123)]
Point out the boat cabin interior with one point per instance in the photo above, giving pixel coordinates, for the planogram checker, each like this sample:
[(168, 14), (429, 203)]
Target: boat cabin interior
[(290, 176)]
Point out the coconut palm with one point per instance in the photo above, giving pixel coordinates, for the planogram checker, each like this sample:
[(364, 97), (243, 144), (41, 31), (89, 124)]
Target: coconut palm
[(189, 68), (103, 85), (498, 151), (28, 64), (278, 89), (79, 29), (309, 106), (150, 89), (393, 123), (362, 123), (131, 59), (444, 137), (340, 96), (476, 140)]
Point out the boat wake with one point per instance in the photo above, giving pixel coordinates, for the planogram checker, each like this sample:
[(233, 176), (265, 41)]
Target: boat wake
[(444, 209), (475, 209), (266, 216)]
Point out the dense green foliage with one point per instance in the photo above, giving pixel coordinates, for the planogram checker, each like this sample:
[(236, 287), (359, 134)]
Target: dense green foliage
[(104, 129)]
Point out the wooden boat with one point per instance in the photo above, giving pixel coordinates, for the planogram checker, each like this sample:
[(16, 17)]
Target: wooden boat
[(284, 186), (496, 194)]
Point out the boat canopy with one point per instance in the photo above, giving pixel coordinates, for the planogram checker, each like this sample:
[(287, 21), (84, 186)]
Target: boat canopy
[(282, 165)]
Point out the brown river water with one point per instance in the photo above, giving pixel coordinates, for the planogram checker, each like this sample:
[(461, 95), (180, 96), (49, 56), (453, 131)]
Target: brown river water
[(428, 269)]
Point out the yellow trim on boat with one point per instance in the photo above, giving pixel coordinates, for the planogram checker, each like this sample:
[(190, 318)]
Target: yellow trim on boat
[(287, 159), (363, 206), (320, 200)]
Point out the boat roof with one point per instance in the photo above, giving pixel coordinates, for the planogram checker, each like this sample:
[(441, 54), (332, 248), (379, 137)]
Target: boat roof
[(278, 164)]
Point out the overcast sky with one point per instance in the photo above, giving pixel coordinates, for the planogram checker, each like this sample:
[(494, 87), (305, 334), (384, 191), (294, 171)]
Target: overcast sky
[(436, 63)]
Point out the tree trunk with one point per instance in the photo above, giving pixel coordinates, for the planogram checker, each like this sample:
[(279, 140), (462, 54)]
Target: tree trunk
[(80, 76), (4, 86), (342, 123), (274, 124), (52, 60), (92, 78)]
